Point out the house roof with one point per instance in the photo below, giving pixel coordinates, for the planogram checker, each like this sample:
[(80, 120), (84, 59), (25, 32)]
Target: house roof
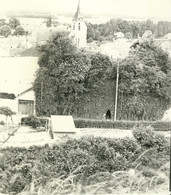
[(29, 52), (25, 91)]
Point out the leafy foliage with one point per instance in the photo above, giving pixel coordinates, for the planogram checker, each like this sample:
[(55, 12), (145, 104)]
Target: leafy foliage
[(14, 22), (85, 161), (65, 74), (144, 73), (31, 120), (19, 30), (34, 121), (90, 123), (5, 30), (147, 138), (129, 28), (6, 111), (49, 21), (2, 123), (7, 95)]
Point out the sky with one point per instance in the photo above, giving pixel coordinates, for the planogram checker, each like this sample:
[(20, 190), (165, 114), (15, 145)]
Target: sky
[(138, 8)]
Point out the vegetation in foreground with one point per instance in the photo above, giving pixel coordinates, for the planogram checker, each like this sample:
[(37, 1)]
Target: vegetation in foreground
[(89, 165)]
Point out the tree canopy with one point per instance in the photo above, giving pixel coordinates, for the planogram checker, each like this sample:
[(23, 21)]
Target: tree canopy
[(5, 30), (144, 74), (14, 22), (7, 112), (129, 28), (19, 30), (65, 74), (146, 71)]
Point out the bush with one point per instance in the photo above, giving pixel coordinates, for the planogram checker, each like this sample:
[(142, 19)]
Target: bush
[(31, 120), (19, 30), (2, 123), (92, 159), (7, 96), (6, 111), (147, 138), (89, 123), (144, 135), (34, 121), (5, 30)]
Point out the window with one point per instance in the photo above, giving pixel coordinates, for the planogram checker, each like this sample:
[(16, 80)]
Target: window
[(79, 27), (74, 27), (26, 107)]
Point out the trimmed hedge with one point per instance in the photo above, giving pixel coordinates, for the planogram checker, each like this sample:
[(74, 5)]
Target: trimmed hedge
[(88, 123), (7, 96), (35, 122)]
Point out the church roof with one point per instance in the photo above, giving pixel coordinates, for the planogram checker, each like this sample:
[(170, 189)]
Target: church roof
[(78, 14)]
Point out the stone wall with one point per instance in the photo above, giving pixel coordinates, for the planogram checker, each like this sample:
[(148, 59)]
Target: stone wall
[(95, 104)]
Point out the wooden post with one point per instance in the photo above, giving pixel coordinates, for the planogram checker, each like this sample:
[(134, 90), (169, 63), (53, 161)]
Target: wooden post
[(116, 94)]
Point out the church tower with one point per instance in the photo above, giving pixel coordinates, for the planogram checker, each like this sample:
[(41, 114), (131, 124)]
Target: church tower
[(79, 29)]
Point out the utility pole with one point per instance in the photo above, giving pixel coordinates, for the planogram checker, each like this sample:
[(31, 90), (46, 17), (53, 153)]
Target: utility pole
[(116, 93), (41, 94), (170, 165)]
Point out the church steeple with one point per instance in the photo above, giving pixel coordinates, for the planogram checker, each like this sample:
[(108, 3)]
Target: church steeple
[(78, 14), (79, 29)]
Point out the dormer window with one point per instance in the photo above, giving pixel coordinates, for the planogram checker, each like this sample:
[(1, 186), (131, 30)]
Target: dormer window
[(79, 27)]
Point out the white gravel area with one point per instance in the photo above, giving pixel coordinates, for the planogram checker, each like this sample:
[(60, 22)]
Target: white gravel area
[(25, 136)]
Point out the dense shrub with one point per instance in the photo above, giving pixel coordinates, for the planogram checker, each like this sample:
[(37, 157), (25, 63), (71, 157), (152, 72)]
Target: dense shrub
[(147, 138), (33, 121), (89, 123), (144, 136), (2, 123), (7, 96), (6, 111), (88, 159)]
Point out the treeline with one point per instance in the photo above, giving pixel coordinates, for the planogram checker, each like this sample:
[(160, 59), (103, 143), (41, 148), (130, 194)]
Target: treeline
[(131, 29), (71, 82), (13, 24)]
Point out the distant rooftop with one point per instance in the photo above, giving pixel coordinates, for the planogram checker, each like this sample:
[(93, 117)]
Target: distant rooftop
[(30, 52)]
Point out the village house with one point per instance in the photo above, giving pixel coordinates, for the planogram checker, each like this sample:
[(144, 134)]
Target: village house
[(18, 73), (16, 77)]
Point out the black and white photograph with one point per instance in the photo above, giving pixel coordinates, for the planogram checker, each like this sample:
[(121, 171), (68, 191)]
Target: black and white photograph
[(85, 97)]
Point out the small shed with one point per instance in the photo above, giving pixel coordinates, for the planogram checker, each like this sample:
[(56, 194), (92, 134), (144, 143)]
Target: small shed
[(26, 102)]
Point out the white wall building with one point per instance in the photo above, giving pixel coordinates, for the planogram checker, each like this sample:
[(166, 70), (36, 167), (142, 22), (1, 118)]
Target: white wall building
[(79, 29), (16, 76)]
